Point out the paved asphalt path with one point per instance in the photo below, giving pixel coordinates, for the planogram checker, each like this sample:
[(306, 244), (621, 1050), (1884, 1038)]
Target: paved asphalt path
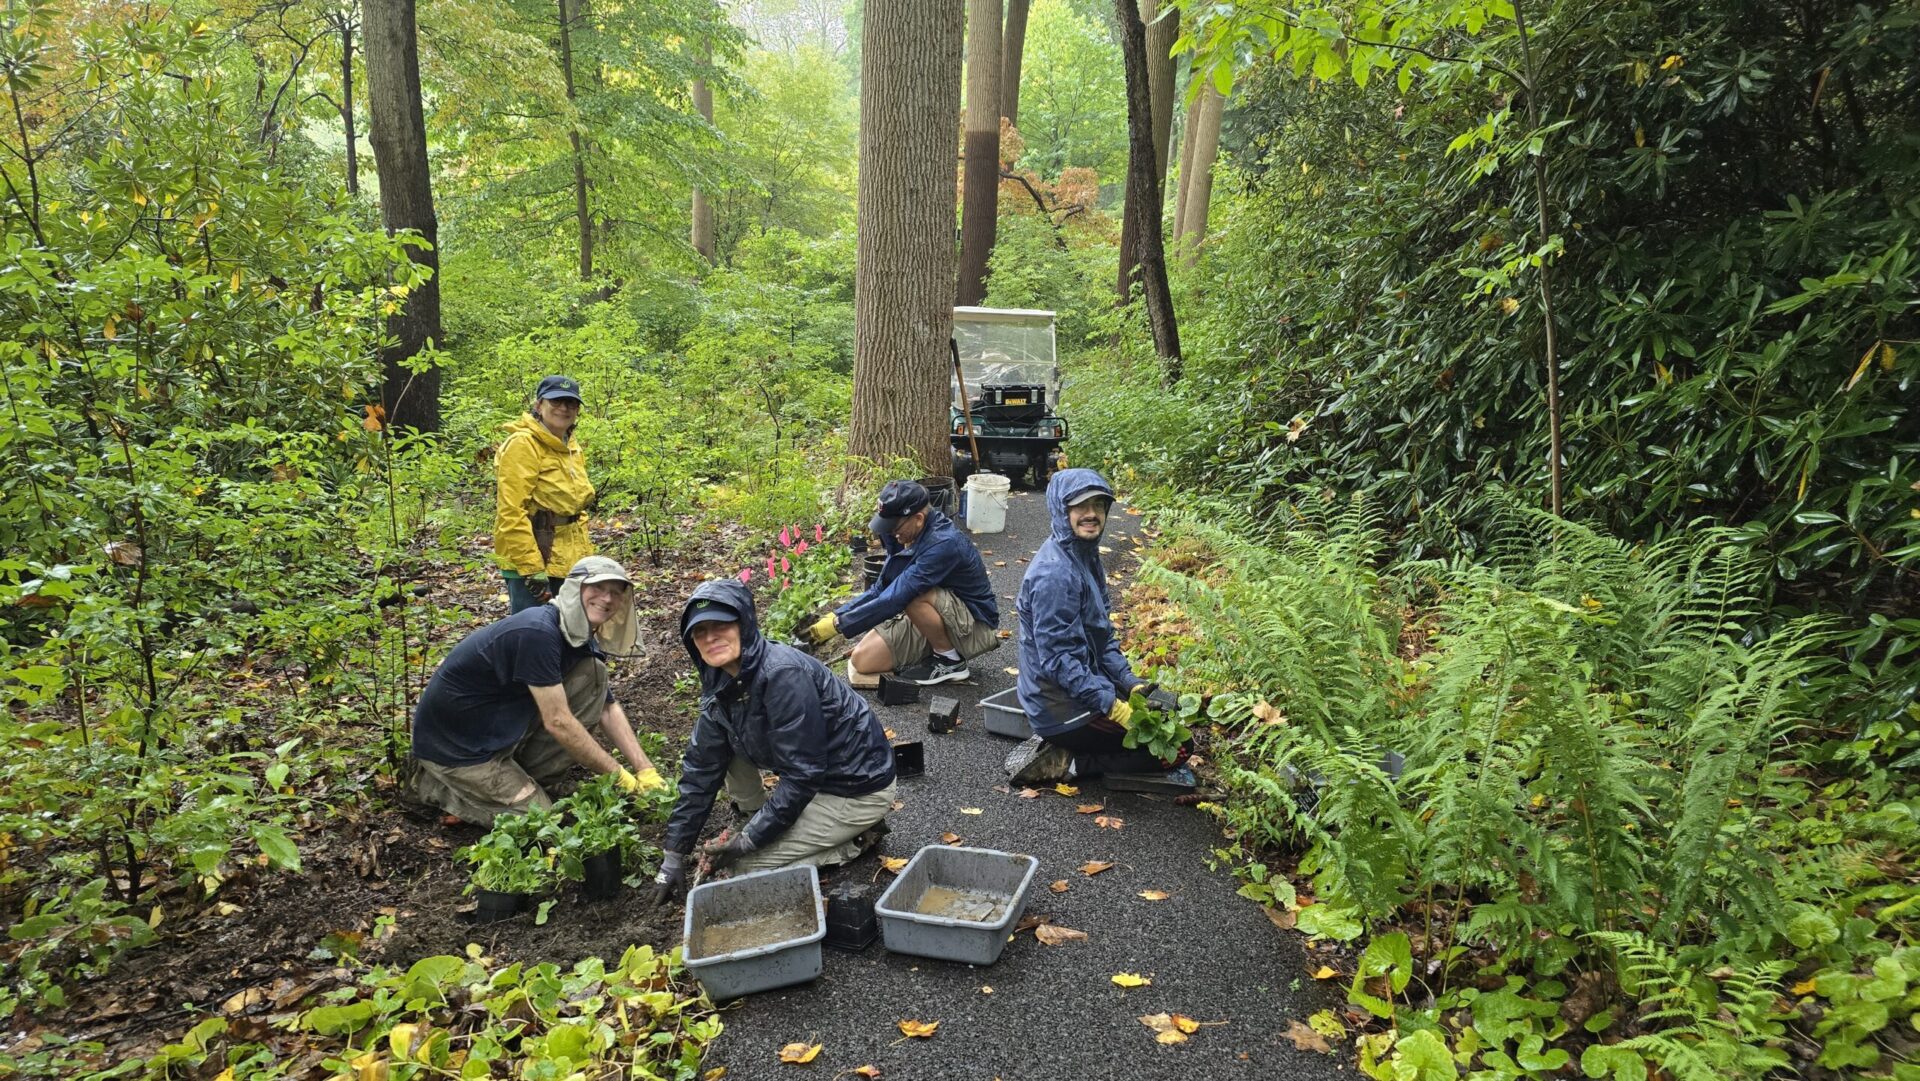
[(1052, 1011)]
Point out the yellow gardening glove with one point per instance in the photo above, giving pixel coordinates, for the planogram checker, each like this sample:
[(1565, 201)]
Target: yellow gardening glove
[(1121, 713), (827, 627), (628, 782), (649, 779)]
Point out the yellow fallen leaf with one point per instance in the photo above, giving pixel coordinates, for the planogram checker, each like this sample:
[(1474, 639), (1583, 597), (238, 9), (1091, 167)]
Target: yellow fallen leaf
[(890, 733), (1112, 822), (371, 1066), (1090, 808), (1029, 793), (401, 1040), (1050, 934), (1013, 671), (986, 989), (1185, 1024), (800, 1053), (1155, 895), (866, 1071), (1059, 886), (714, 1074), (918, 1029), (971, 811), (1325, 972), (1066, 789), (896, 864), (1804, 987), (1094, 867), (1164, 1029), (949, 838), (1128, 979)]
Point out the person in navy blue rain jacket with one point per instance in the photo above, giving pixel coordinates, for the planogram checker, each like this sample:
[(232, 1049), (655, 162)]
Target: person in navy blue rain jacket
[(764, 705), (932, 606), (1075, 684)]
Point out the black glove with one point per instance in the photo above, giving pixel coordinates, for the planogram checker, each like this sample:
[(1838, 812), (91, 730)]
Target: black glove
[(725, 852), (1163, 700), (670, 879), (541, 588)]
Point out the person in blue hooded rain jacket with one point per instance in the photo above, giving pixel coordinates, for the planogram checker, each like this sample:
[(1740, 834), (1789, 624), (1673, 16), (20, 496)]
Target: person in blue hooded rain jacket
[(932, 606), (764, 705), (1075, 684)]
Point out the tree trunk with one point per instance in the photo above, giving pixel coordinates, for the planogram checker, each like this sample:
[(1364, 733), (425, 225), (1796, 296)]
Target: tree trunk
[(582, 212), (1199, 187), (702, 231), (1161, 34), (347, 25), (980, 206), (1143, 190), (1194, 108), (904, 272), (398, 131), (1013, 45)]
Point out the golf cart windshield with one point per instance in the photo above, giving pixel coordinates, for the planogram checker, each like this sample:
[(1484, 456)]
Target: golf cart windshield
[(1005, 347)]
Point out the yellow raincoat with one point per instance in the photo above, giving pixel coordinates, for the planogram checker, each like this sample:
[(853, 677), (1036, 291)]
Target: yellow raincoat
[(534, 471)]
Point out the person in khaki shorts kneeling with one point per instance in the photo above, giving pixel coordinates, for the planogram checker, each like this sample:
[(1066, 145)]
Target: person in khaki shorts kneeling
[(769, 706), (519, 701), (932, 606)]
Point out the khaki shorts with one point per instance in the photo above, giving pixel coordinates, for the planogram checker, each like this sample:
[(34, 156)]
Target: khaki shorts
[(970, 636), (516, 778)]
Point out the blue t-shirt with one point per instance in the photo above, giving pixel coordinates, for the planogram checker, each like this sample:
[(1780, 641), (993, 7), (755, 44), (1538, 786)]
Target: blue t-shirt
[(478, 704)]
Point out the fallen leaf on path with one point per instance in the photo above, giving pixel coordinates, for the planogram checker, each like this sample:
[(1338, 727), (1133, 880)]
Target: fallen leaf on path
[(1003, 635), (1066, 789), (889, 733), (800, 1052), (1094, 867), (1053, 935), (1155, 895), (896, 864), (1058, 887), (1029, 793), (866, 1071), (1090, 808), (1029, 922), (242, 1000), (1305, 1039), (1112, 822), (1163, 1026), (1012, 671), (949, 838), (999, 562), (714, 1074), (918, 1029), (1325, 972), (986, 989), (1281, 918), (1130, 979), (971, 811)]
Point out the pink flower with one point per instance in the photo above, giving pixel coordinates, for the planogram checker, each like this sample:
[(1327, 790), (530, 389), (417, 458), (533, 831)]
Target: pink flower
[(769, 566), (819, 535), (785, 564), (784, 583), (784, 542), (800, 549), (746, 574)]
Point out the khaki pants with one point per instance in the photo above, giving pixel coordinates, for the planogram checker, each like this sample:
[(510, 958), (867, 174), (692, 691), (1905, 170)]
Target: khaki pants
[(822, 835), (969, 636), (518, 778)]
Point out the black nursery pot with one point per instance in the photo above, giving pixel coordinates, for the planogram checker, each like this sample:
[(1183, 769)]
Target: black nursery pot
[(600, 876), (871, 565), (851, 923), (496, 906)]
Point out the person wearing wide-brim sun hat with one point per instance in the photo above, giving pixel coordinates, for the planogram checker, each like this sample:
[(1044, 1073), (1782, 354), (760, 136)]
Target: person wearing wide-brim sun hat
[(540, 513), (520, 701)]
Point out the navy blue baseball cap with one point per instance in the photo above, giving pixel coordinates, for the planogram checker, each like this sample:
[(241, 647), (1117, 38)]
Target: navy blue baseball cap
[(898, 499), (558, 386), (708, 611)]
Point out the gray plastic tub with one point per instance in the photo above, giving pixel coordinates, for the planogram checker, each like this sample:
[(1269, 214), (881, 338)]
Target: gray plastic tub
[(1004, 715), (944, 879), (756, 932)]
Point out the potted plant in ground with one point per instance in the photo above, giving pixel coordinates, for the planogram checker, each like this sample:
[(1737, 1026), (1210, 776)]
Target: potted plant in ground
[(507, 869), (1161, 731), (591, 848)]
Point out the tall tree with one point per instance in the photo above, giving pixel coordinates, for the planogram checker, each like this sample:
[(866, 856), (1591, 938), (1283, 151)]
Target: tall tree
[(1013, 46), (904, 272), (1186, 160), (701, 233), (980, 194), (1160, 35), (398, 131), (1197, 188), (582, 207), (1143, 202), (344, 22)]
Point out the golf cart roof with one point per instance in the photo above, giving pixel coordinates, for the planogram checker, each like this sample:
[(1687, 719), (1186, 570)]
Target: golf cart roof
[(1030, 316), (1005, 347)]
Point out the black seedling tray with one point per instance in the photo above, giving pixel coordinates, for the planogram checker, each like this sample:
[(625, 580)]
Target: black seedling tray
[(943, 714), (909, 758), (898, 692)]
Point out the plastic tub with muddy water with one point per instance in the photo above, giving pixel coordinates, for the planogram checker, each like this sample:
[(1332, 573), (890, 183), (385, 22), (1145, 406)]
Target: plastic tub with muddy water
[(956, 904), (756, 932)]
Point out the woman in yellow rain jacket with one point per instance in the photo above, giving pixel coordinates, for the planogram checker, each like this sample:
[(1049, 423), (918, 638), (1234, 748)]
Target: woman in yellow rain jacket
[(540, 519)]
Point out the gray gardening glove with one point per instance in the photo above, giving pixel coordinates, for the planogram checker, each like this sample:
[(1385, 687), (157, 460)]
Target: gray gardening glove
[(671, 877)]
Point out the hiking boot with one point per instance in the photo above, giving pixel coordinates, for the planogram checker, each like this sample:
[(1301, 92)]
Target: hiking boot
[(1172, 782), (870, 838), (935, 670), (1037, 762)]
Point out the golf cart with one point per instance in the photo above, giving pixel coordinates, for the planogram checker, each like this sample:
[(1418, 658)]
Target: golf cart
[(1006, 389)]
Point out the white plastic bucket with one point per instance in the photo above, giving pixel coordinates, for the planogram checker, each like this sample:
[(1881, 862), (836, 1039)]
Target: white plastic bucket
[(987, 502)]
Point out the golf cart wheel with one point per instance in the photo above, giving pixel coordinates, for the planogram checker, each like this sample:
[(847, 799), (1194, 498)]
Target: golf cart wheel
[(1041, 468)]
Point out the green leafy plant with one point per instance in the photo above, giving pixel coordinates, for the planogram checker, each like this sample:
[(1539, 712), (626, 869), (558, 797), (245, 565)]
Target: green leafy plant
[(1161, 732), (512, 856)]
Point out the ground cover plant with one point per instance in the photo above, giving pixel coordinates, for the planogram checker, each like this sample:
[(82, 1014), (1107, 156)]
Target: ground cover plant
[(1625, 834)]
